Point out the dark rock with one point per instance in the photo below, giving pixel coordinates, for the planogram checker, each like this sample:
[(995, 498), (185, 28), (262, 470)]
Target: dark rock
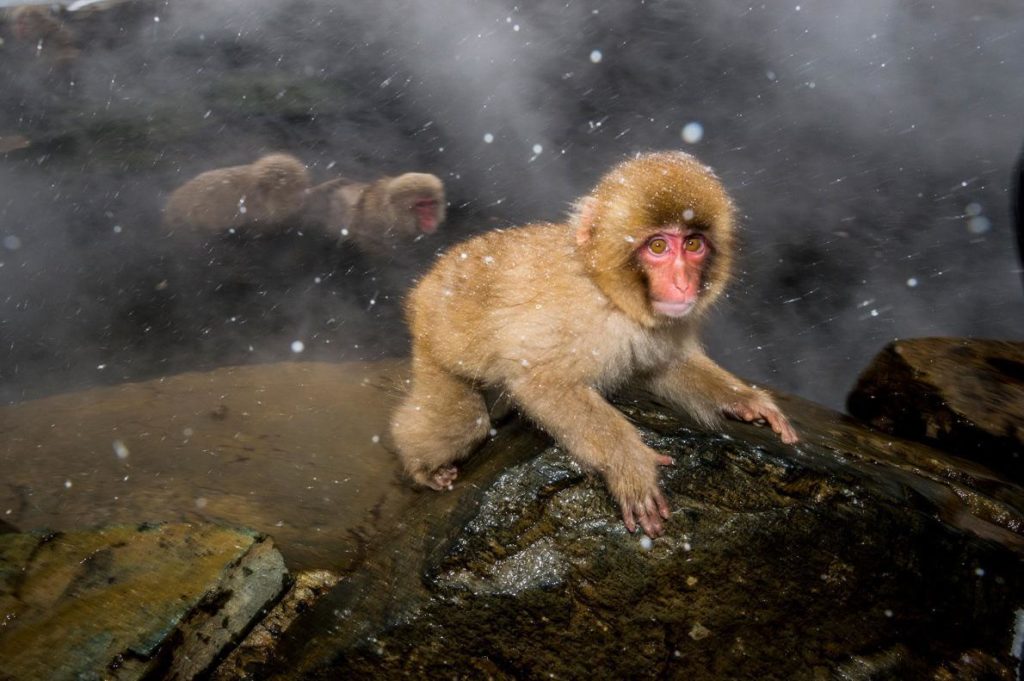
[(257, 649), (965, 396), (129, 603), (852, 555)]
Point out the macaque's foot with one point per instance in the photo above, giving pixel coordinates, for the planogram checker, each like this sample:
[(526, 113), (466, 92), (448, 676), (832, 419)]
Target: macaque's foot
[(439, 478), (762, 408), (442, 477)]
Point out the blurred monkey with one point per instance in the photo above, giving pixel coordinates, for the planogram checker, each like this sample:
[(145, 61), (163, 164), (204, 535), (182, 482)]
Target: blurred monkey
[(39, 29), (259, 197), (379, 215)]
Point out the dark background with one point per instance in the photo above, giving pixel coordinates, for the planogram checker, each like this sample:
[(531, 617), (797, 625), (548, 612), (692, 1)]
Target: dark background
[(868, 145)]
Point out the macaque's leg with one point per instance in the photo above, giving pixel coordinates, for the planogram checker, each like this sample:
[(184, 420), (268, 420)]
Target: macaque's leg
[(706, 390), (441, 421), (600, 437)]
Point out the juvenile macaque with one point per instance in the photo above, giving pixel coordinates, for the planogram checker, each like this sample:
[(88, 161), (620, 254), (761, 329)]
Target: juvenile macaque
[(381, 214), (554, 315), (259, 197)]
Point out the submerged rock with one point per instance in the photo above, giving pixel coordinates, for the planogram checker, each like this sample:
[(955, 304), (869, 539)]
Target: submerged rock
[(851, 555), (963, 395), (294, 450), (130, 603)]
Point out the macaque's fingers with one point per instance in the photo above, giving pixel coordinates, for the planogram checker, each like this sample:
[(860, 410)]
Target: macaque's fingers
[(646, 513), (741, 412), (663, 509), (786, 431), (627, 516), (664, 460), (780, 424), (648, 518)]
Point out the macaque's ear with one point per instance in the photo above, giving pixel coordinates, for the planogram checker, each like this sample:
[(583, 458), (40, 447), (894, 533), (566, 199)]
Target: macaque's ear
[(586, 209)]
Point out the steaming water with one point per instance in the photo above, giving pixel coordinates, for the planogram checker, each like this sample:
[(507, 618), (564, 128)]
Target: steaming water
[(868, 145)]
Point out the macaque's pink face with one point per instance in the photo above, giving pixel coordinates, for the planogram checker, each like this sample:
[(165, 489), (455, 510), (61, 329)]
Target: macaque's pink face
[(425, 211), (673, 261)]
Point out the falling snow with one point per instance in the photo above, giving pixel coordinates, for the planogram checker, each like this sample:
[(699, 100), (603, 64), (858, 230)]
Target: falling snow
[(693, 133)]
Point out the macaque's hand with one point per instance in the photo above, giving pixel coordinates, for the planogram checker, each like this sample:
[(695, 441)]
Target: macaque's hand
[(757, 406), (639, 495)]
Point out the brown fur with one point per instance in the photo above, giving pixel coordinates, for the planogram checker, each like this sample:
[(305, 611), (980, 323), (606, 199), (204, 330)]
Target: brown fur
[(378, 216), (258, 197), (554, 315), (38, 28)]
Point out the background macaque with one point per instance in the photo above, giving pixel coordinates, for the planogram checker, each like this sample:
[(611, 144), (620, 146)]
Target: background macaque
[(259, 196), (37, 28), (554, 315), (379, 215)]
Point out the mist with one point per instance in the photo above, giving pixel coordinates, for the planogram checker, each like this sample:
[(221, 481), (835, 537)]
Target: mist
[(869, 147)]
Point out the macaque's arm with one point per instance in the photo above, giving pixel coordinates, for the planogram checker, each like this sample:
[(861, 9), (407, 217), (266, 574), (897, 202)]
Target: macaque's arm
[(706, 390), (600, 437)]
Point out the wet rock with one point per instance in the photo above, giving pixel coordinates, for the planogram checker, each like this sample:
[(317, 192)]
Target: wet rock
[(965, 396), (852, 555), (256, 651), (130, 603)]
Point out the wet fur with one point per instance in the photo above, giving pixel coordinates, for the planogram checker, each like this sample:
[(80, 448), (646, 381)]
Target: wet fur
[(272, 191)]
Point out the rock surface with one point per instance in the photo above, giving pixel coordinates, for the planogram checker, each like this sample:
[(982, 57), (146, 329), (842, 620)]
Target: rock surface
[(853, 555), (257, 650), (130, 603), (965, 396)]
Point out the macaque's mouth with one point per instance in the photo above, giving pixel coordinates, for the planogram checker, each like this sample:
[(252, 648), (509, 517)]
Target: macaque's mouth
[(674, 309), (426, 215)]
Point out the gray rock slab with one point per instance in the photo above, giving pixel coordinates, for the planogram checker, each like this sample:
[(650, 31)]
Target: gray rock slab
[(130, 602)]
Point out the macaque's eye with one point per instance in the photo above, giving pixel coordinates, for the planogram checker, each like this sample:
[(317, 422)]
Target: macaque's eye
[(657, 245), (694, 243)]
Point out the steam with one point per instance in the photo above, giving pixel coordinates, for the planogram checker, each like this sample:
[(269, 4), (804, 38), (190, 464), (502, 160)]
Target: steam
[(867, 144)]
